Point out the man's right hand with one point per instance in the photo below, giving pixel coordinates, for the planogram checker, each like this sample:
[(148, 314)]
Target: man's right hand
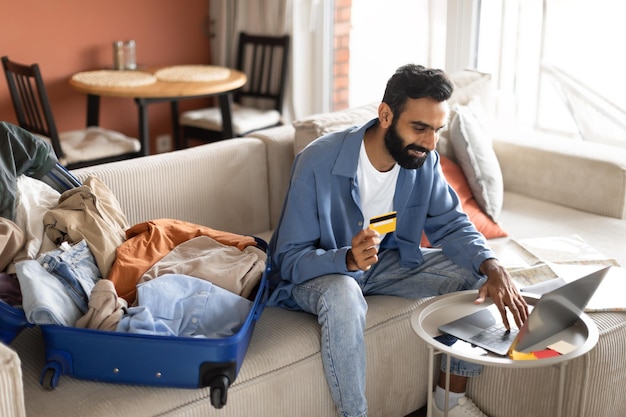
[(364, 252)]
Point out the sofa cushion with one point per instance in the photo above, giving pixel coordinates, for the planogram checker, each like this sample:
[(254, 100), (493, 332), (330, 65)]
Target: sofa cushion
[(526, 217), (229, 180), (455, 177), (279, 144), (473, 151), (571, 173)]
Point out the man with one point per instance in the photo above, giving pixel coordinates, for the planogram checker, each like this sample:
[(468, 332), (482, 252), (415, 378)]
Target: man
[(326, 258)]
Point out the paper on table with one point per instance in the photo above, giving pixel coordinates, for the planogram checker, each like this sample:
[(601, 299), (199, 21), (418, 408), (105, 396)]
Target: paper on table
[(531, 261), (562, 347), (513, 256), (533, 275), (565, 249)]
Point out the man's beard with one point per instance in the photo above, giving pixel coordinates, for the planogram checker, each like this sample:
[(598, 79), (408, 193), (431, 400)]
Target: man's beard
[(399, 152)]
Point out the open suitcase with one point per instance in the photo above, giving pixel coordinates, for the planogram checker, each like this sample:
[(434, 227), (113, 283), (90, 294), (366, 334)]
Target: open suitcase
[(129, 358), (182, 362)]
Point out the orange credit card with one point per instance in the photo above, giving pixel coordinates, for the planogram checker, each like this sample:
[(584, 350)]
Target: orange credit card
[(384, 223)]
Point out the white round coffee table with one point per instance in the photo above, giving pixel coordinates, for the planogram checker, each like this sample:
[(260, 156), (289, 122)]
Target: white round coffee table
[(437, 311)]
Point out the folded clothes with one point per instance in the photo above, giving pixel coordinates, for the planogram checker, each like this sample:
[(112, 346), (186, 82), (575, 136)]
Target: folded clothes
[(56, 286), (44, 298), (75, 267)]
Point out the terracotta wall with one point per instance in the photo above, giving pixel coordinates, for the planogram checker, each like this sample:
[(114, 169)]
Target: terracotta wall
[(67, 36)]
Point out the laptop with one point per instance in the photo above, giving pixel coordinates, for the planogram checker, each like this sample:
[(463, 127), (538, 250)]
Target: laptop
[(555, 311)]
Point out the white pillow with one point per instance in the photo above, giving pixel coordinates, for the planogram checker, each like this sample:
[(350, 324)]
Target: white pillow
[(473, 151), (470, 84)]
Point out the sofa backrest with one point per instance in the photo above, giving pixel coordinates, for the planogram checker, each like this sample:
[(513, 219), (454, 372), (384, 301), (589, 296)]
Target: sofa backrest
[(223, 185), (279, 142), (468, 85)]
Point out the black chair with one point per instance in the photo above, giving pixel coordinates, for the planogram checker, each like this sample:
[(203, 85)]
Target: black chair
[(74, 149), (257, 105)]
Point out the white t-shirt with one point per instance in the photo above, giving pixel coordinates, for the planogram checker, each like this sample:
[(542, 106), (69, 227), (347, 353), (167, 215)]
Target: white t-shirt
[(376, 188)]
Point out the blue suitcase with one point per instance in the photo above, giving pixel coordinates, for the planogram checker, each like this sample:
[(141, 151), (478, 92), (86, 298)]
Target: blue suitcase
[(181, 362)]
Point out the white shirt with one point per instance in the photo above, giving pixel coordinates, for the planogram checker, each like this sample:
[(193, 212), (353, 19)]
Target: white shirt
[(376, 188)]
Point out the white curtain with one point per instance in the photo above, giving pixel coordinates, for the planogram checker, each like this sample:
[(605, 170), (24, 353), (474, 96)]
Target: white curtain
[(305, 21)]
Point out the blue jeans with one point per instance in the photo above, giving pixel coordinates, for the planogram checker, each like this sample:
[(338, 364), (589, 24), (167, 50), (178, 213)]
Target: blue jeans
[(340, 306), (75, 267)]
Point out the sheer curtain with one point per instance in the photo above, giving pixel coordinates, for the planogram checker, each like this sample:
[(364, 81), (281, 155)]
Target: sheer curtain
[(308, 88)]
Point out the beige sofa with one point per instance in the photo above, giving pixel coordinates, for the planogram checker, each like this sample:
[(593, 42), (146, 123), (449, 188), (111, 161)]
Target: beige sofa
[(551, 189)]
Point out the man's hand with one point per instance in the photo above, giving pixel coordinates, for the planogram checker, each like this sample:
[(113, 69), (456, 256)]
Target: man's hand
[(364, 252), (500, 288)]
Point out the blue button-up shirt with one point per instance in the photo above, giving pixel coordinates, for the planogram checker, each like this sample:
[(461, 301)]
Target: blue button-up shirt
[(182, 305), (322, 213)]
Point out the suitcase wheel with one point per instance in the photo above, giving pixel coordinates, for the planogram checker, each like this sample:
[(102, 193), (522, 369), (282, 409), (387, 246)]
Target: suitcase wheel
[(50, 375), (219, 390)]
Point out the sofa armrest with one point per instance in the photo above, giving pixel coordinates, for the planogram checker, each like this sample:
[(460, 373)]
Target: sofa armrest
[(582, 175), (11, 385)]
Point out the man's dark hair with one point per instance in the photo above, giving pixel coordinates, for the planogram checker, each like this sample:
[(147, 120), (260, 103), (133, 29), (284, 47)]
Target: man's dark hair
[(416, 81)]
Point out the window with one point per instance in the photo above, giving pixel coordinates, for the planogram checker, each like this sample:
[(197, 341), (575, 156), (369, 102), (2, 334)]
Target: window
[(386, 35), (522, 42), (517, 41)]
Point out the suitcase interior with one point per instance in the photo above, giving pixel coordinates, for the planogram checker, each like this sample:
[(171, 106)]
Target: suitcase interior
[(180, 362)]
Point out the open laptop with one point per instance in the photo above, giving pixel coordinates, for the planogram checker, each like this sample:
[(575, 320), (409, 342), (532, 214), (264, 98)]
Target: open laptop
[(553, 312)]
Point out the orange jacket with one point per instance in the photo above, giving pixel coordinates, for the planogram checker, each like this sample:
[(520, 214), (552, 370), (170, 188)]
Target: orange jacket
[(150, 241)]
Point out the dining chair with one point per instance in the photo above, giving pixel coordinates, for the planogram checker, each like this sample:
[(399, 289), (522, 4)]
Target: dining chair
[(258, 104), (74, 149)]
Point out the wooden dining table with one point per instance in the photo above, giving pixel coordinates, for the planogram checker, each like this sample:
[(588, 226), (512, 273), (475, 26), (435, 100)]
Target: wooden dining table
[(145, 87)]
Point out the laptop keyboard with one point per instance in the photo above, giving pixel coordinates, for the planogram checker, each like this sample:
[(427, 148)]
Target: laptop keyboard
[(496, 336)]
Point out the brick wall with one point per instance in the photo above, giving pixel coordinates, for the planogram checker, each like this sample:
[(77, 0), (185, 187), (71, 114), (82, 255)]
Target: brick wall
[(341, 65)]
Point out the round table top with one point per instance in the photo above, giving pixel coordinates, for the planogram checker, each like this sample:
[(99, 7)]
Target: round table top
[(437, 311), (156, 88)]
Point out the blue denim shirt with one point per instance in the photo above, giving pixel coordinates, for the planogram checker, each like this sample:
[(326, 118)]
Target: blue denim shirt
[(322, 213), (182, 305)]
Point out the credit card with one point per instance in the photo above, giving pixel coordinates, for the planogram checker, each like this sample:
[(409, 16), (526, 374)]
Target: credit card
[(384, 223)]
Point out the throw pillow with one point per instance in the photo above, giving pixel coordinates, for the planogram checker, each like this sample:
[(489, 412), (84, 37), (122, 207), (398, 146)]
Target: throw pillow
[(455, 177), (474, 152), (469, 84)]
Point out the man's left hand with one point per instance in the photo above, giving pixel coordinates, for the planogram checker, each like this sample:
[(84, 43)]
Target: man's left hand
[(500, 288)]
